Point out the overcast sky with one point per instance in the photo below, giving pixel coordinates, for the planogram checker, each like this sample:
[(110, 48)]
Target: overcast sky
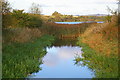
[(74, 7)]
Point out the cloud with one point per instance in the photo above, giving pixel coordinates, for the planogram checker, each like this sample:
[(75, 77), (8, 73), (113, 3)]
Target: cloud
[(75, 7)]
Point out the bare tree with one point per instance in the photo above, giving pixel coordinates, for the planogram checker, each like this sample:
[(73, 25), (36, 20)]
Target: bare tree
[(35, 9), (5, 7), (119, 7)]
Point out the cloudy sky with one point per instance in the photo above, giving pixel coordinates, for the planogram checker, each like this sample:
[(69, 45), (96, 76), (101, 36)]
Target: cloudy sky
[(74, 7)]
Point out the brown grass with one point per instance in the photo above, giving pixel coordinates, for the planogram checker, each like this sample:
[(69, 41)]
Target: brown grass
[(58, 30), (65, 30), (102, 37), (20, 34)]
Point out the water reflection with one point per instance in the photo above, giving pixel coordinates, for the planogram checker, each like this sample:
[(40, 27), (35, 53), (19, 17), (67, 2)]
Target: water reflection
[(57, 54), (65, 42), (79, 22), (66, 60), (59, 63)]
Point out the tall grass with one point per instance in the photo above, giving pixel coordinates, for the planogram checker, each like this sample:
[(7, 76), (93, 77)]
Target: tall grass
[(103, 66), (102, 35), (65, 29), (20, 34), (100, 47)]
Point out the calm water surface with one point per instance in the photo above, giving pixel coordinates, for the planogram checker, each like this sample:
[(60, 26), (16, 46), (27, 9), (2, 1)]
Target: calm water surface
[(78, 22), (59, 63)]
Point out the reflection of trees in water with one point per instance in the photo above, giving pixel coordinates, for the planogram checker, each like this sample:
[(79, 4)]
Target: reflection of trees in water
[(65, 42), (103, 66)]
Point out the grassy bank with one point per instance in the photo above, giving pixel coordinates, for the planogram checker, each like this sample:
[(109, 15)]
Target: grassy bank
[(102, 65), (21, 59), (103, 38), (100, 49)]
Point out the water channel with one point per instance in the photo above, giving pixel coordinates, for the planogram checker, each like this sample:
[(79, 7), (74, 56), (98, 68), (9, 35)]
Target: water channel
[(59, 62)]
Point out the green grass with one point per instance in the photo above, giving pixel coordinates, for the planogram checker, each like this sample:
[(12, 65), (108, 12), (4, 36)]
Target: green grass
[(103, 66), (21, 59)]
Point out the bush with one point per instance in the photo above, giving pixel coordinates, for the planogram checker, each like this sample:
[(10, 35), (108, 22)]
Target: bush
[(6, 20), (108, 18), (21, 18), (18, 18), (35, 21)]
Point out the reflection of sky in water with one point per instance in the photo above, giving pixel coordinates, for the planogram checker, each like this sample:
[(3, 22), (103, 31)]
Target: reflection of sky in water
[(58, 63), (78, 22), (56, 55)]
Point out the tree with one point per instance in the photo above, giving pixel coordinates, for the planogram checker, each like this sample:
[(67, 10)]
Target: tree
[(108, 18), (35, 9), (35, 21), (5, 12), (56, 14), (5, 7), (114, 12), (22, 18)]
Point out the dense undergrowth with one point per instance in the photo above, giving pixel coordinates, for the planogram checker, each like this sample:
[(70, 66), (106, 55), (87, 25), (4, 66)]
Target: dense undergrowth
[(21, 59)]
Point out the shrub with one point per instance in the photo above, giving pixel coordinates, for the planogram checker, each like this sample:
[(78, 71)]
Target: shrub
[(108, 18), (35, 21), (21, 18), (6, 20)]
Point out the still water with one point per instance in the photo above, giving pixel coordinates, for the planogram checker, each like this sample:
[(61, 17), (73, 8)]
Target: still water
[(78, 22), (59, 62)]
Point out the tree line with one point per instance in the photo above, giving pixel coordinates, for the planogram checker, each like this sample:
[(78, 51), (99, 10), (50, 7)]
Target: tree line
[(58, 17), (19, 18)]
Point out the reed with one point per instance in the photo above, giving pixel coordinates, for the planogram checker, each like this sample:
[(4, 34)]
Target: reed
[(65, 30), (20, 34), (102, 35)]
